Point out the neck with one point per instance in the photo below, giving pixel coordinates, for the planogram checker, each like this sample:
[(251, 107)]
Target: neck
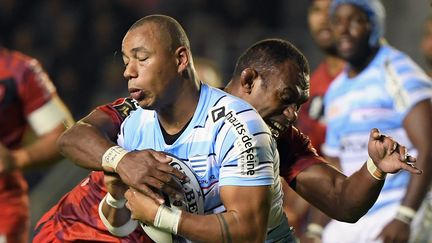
[(174, 116), (357, 66), (334, 64)]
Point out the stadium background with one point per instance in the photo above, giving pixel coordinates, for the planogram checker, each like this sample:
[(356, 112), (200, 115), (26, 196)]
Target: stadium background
[(78, 44)]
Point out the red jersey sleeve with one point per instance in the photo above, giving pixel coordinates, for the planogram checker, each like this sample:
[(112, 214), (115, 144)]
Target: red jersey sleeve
[(296, 154), (119, 109), (34, 85)]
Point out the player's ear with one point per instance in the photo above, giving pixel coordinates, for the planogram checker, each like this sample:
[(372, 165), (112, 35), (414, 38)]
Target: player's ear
[(182, 58), (247, 79)]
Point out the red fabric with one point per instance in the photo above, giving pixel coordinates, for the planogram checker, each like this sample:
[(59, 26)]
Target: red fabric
[(24, 87), (76, 217), (310, 117), (296, 153)]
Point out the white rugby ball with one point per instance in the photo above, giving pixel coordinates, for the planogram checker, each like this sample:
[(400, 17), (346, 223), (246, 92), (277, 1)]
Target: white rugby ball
[(193, 202)]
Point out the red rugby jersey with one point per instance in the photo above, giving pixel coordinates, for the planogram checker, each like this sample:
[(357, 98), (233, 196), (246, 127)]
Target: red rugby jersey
[(310, 120)]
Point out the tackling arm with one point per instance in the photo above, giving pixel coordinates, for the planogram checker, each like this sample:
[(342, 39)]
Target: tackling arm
[(348, 198)]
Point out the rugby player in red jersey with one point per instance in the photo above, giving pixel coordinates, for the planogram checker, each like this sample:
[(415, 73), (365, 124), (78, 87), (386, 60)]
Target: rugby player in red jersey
[(27, 99)]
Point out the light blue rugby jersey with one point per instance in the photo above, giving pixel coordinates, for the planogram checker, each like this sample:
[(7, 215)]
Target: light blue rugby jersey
[(226, 143), (381, 96)]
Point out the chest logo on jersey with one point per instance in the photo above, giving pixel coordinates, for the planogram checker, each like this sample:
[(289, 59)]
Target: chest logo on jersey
[(244, 143), (218, 113)]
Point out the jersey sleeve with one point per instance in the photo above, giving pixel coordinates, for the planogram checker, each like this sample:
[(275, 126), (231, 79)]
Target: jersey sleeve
[(41, 105), (34, 86), (119, 109), (296, 154), (406, 83), (247, 150)]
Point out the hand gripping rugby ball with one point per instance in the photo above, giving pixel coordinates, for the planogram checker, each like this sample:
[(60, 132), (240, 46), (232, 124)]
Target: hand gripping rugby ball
[(193, 202)]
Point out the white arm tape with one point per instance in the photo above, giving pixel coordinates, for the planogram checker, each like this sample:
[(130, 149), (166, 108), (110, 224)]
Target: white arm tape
[(168, 219), (47, 117), (112, 156), (115, 203), (405, 214), (120, 231), (375, 171)]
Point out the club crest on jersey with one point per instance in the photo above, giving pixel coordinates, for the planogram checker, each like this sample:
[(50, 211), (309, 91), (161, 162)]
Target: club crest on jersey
[(245, 143), (125, 107)]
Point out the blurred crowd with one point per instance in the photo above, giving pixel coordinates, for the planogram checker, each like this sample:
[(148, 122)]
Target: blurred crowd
[(78, 42)]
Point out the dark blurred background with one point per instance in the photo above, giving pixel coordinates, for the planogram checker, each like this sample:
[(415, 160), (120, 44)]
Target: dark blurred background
[(78, 44)]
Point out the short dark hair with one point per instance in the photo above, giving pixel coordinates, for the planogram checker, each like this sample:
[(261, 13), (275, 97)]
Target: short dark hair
[(265, 55), (172, 28)]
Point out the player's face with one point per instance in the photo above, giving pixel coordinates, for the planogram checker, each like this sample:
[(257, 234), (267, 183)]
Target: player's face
[(319, 25), (273, 95), (150, 66), (352, 30), (426, 43)]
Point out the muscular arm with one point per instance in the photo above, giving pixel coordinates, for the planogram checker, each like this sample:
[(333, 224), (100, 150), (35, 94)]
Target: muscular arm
[(86, 141), (348, 198), (340, 197), (244, 221)]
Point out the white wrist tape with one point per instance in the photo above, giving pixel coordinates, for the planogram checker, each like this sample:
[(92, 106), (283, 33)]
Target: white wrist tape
[(112, 157), (115, 203), (314, 230), (405, 214), (167, 219), (375, 171), (120, 231)]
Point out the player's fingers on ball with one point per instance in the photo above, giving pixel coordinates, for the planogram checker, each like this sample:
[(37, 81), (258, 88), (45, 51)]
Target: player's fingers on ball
[(173, 171), (161, 157), (174, 192), (150, 193)]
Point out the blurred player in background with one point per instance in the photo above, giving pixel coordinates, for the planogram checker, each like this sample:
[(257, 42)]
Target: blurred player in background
[(28, 99), (380, 87)]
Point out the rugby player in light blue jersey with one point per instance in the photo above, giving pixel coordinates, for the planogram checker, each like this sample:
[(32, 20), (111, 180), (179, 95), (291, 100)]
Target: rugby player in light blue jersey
[(380, 87)]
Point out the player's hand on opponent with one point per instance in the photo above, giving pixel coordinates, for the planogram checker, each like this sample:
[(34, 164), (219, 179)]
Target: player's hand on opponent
[(388, 155), (148, 171), (115, 185), (142, 207), (7, 161)]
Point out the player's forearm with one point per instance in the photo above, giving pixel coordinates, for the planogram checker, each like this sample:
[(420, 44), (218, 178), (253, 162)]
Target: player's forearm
[(116, 217), (42, 152), (224, 227), (357, 195), (84, 144)]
